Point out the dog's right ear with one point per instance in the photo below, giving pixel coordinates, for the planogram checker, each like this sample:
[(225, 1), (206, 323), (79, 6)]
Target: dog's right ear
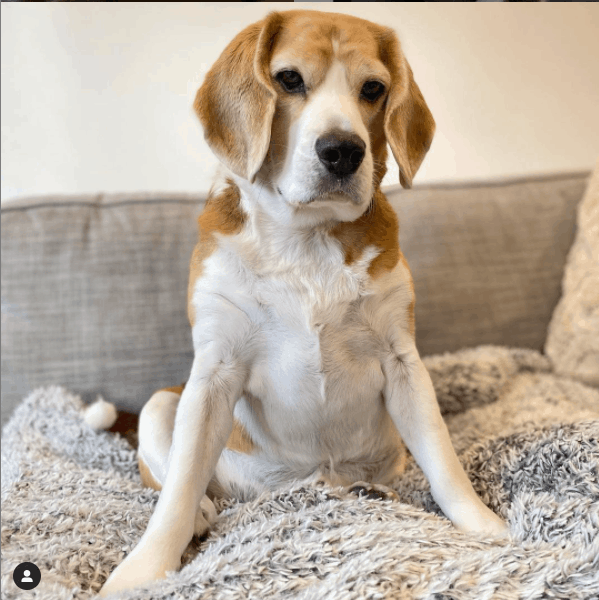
[(236, 102)]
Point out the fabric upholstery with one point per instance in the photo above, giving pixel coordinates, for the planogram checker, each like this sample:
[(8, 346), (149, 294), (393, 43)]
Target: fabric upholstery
[(94, 294), (94, 287), (487, 259), (573, 336)]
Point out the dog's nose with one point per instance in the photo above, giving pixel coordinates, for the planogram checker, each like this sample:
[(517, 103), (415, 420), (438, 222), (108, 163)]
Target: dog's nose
[(341, 153)]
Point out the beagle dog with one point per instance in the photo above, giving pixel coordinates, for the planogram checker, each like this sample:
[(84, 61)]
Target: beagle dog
[(300, 301)]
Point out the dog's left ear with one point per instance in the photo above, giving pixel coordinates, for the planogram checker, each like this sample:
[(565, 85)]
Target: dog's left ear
[(236, 102), (409, 124)]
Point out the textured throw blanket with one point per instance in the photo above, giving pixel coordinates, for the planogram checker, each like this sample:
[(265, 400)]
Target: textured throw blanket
[(73, 504)]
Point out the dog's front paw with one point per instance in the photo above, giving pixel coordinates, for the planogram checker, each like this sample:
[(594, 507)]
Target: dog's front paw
[(147, 563), (483, 521)]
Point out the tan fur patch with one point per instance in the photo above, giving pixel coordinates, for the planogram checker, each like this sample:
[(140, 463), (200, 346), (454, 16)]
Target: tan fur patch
[(146, 475), (222, 214), (176, 389), (240, 440), (378, 147), (410, 314), (378, 226)]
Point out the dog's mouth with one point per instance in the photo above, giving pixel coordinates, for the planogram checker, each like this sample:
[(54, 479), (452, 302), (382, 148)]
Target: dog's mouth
[(333, 190), (328, 189)]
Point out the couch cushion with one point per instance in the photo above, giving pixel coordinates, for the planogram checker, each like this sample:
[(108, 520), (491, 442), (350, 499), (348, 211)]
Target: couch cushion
[(487, 258), (94, 294), (573, 337)]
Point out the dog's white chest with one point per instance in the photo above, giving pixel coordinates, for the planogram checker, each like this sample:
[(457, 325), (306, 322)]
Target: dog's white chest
[(315, 375), (315, 379), (311, 351)]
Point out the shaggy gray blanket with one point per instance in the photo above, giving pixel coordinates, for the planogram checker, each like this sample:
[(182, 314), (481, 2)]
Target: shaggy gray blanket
[(74, 505)]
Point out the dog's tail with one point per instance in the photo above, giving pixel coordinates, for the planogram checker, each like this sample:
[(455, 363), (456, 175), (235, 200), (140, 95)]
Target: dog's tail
[(100, 414)]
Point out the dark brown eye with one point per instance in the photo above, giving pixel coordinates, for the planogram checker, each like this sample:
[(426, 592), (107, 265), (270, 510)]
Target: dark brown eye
[(291, 81), (372, 90)]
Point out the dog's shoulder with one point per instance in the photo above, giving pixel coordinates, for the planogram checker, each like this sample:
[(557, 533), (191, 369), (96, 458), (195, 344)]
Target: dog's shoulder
[(222, 215)]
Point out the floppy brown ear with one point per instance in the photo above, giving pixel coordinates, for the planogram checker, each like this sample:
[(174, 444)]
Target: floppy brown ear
[(409, 124), (236, 102)]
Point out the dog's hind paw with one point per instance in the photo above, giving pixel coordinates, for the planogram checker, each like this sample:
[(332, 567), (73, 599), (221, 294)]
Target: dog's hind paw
[(205, 517), (372, 491)]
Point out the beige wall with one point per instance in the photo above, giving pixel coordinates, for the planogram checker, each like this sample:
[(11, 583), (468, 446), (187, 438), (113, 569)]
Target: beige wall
[(97, 96)]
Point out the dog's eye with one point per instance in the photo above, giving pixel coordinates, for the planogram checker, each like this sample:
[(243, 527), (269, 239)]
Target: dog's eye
[(372, 90), (291, 81)]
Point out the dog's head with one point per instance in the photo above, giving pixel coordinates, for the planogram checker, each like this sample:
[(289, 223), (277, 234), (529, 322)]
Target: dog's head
[(306, 102)]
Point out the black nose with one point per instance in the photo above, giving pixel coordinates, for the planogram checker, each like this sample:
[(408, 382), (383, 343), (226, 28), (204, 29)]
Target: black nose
[(341, 153)]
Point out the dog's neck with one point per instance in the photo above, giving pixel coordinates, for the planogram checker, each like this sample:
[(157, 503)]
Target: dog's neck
[(264, 230)]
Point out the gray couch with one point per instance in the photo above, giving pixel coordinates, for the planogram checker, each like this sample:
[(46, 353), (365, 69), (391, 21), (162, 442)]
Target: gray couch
[(94, 287), (93, 299)]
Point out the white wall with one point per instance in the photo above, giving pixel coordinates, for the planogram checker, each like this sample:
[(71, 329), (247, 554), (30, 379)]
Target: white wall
[(97, 96)]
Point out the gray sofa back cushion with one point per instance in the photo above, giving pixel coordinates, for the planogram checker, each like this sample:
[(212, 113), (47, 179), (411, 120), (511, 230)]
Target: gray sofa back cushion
[(94, 292), (488, 259), (94, 287)]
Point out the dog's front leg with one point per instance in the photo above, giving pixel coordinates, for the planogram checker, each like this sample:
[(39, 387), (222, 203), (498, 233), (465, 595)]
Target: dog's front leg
[(203, 424), (412, 403)]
